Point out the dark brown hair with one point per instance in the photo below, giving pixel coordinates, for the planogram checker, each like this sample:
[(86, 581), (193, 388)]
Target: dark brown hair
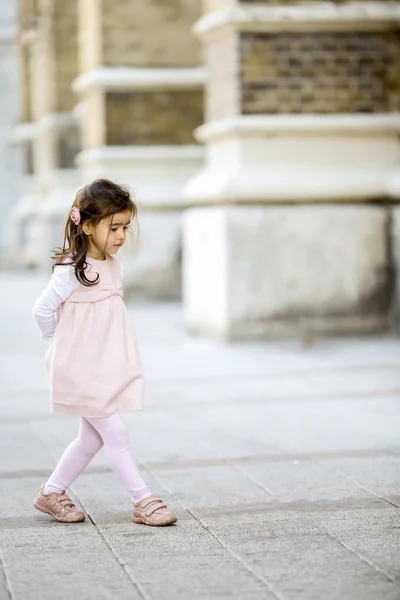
[(96, 201)]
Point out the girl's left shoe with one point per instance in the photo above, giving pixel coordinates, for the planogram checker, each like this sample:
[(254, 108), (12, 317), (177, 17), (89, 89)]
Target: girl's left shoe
[(59, 506), (153, 511)]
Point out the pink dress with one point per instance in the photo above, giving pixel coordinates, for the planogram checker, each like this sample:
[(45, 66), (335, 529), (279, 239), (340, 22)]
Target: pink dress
[(93, 361)]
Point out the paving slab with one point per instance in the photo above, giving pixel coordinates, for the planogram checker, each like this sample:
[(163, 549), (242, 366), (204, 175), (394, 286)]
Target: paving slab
[(281, 461)]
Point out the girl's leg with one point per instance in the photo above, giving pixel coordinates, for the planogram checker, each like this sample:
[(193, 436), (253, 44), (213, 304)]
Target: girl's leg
[(118, 450), (75, 458)]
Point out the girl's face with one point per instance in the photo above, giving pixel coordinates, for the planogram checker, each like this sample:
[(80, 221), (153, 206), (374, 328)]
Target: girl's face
[(109, 235)]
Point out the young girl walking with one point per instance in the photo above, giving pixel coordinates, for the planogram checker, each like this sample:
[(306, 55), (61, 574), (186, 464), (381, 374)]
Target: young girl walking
[(93, 362)]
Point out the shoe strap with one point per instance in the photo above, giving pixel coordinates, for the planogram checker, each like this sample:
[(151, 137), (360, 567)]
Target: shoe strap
[(153, 505), (65, 501)]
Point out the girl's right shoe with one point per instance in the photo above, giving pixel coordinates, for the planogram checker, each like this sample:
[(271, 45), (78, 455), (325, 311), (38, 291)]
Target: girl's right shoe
[(59, 506), (153, 511)]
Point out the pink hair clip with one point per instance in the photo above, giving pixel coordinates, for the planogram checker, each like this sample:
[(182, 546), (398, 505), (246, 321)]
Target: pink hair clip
[(75, 215)]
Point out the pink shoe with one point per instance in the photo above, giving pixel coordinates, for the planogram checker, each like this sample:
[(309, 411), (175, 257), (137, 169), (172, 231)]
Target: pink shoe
[(58, 506), (153, 511)]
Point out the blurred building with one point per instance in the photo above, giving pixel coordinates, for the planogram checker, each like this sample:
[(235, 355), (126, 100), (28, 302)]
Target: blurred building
[(290, 223), (9, 165), (112, 89)]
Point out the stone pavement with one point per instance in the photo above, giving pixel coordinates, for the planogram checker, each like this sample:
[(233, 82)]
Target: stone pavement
[(282, 463)]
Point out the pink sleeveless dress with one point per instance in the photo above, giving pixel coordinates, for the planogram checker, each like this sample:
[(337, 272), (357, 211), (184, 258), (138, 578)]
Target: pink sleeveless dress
[(93, 361)]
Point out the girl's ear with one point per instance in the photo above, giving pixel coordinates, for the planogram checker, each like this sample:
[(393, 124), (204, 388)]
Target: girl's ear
[(87, 228)]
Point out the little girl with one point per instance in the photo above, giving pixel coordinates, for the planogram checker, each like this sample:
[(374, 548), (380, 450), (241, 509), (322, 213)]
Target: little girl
[(93, 362)]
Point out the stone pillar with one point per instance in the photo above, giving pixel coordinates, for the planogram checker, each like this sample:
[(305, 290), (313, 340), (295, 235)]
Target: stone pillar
[(48, 33), (141, 97), (9, 164), (287, 231)]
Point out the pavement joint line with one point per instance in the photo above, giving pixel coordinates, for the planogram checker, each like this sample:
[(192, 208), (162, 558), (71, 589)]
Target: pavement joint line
[(281, 457), (256, 400), (376, 567), (374, 494), (35, 474), (328, 467), (363, 487), (4, 583), (236, 556), (279, 374), (370, 563), (265, 399), (229, 550), (301, 372), (253, 480), (135, 583), (231, 461)]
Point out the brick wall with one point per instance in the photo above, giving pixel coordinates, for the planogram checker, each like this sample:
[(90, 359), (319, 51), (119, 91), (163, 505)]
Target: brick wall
[(148, 118), (320, 72), (150, 33)]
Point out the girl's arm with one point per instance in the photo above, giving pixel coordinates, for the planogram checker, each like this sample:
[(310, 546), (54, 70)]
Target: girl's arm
[(61, 285)]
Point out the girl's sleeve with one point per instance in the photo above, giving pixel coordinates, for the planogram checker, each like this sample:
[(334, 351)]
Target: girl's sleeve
[(61, 285)]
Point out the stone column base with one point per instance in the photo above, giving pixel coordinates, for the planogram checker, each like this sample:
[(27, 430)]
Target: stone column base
[(40, 215), (23, 219), (151, 258), (395, 249), (275, 271)]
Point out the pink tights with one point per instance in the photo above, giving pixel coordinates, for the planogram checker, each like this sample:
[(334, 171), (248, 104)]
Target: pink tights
[(93, 434)]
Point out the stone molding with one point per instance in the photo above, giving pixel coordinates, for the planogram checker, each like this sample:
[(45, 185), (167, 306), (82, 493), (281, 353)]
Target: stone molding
[(127, 79), (149, 153), (28, 130), (317, 16), (158, 173), (57, 119), (297, 159), (24, 132), (256, 125)]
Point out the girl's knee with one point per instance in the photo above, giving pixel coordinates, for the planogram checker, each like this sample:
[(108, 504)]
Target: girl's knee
[(112, 431), (89, 447), (89, 440), (117, 434)]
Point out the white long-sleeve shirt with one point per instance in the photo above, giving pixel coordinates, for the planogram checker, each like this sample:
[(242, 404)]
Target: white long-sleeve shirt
[(61, 285)]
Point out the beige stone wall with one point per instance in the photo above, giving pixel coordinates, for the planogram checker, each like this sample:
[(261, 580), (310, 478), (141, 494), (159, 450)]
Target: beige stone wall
[(25, 14), (223, 86), (47, 67), (94, 119), (211, 5), (89, 35), (48, 55), (320, 72), (150, 33), (148, 118), (25, 113), (64, 33), (26, 11)]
